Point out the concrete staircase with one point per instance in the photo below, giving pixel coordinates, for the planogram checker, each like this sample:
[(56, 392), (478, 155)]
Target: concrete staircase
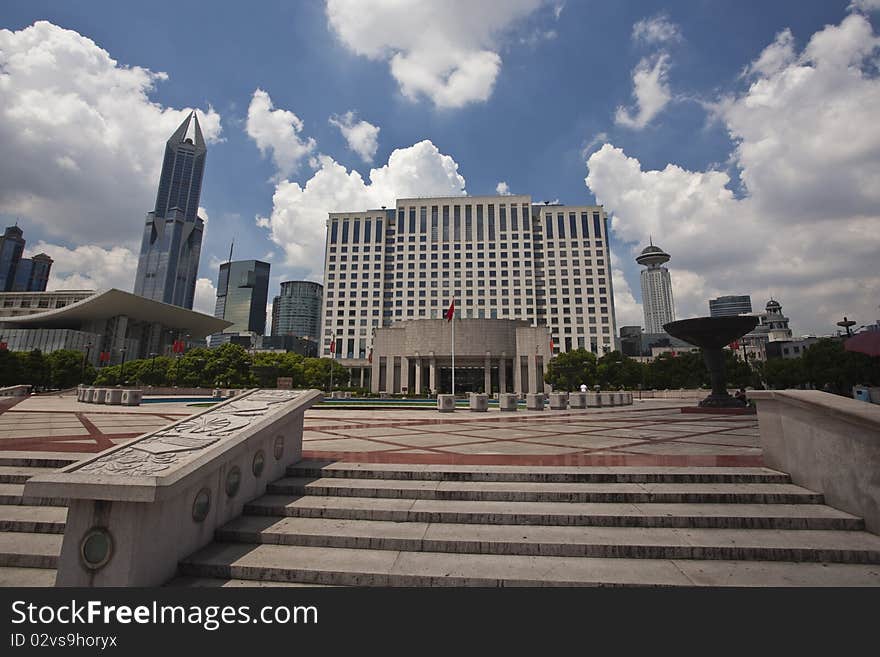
[(425, 525), (31, 529)]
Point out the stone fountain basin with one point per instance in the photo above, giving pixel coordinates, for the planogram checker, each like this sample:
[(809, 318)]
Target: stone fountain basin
[(711, 332)]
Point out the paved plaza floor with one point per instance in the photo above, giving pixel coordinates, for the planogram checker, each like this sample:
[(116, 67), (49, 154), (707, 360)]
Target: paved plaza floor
[(59, 423), (648, 433)]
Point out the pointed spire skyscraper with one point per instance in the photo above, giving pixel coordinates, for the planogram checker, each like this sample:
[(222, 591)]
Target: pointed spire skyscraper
[(172, 238)]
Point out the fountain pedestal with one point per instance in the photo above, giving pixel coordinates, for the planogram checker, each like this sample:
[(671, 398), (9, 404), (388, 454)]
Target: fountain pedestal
[(711, 334)]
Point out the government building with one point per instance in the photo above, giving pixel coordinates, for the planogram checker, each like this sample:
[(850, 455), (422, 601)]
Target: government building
[(500, 257)]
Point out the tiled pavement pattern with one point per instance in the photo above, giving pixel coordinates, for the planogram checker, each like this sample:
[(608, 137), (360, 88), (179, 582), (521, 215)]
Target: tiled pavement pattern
[(654, 433), (60, 424)]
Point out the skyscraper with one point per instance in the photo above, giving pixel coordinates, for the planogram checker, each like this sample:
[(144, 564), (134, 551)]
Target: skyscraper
[(172, 238), (19, 274), (500, 257), (730, 305), (297, 310), (657, 300), (242, 292)]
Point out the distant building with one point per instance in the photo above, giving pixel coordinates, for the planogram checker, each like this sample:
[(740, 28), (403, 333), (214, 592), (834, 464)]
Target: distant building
[(288, 343), (634, 342), (242, 293), (732, 305), (657, 301), (296, 311), (118, 324), (498, 257), (18, 274), (172, 239), (772, 327), (16, 304)]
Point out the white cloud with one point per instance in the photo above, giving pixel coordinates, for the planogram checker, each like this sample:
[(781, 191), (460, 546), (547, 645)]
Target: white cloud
[(657, 29), (277, 131), (362, 137), (89, 267), (446, 51), (627, 311), (774, 57), (651, 92), (502, 189), (805, 229), (81, 140), (299, 213), (205, 300), (864, 5)]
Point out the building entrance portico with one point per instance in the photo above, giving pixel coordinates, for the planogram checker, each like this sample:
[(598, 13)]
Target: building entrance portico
[(491, 355)]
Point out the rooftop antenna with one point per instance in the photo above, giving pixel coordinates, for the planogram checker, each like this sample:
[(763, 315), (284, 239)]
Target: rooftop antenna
[(650, 239), (231, 244)]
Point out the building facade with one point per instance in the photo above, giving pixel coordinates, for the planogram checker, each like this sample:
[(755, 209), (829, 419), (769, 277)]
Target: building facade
[(118, 324), (657, 302), (18, 274), (242, 293), (499, 257), (731, 305), (172, 239), (491, 355), (296, 310), (16, 304)]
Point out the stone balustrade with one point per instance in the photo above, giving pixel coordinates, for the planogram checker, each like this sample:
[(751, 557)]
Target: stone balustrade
[(137, 509), (827, 443)]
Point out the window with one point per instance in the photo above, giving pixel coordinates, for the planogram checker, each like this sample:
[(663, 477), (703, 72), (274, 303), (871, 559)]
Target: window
[(344, 232), (549, 223), (456, 218), (334, 227), (367, 225), (357, 231), (445, 223)]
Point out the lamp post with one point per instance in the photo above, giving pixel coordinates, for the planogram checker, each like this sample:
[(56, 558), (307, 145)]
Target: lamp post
[(153, 355), (82, 374), (122, 373)]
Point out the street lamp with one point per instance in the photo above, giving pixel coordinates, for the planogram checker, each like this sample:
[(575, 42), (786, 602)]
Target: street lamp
[(153, 355), (122, 373), (82, 374)]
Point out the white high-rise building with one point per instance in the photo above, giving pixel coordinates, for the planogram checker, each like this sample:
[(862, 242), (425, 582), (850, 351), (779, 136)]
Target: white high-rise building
[(657, 300), (497, 256)]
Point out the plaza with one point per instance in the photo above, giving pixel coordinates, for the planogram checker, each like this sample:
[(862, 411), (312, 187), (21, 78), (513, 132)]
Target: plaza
[(631, 495)]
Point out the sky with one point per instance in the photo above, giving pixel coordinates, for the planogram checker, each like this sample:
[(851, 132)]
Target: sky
[(741, 136)]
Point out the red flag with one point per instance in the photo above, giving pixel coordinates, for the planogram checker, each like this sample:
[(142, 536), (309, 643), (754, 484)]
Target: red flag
[(451, 312), (3, 346), (551, 345), (333, 347), (734, 345), (370, 358), (104, 357)]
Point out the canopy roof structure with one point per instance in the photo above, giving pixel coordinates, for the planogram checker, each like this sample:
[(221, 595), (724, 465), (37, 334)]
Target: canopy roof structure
[(113, 302)]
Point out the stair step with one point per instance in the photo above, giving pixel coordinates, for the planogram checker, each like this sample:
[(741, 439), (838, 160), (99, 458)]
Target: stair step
[(28, 460), (725, 516), (26, 550), (545, 474), (14, 494), (36, 519), (555, 541), (548, 492), (18, 474), (217, 582), (19, 577), (341, 566)]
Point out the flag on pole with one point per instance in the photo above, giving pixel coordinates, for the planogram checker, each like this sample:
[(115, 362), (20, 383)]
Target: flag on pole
[(451, 312), (551, 345), (333, 347), (370, 357)]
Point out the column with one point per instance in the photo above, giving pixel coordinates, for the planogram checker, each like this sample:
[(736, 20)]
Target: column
[(517, 376), (404, 374), (532, 385), (418, 382), (432, 380), (389, 374), (487, 375), (362, 377), (502, 373), (375, 384)]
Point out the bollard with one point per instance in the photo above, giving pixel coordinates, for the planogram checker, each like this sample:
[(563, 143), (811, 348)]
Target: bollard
[(558, 401), (479, 402), (445, 403), (535, 401), (507, 401)]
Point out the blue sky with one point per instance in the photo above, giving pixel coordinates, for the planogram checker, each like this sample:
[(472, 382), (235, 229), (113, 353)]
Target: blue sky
[(565, 70)]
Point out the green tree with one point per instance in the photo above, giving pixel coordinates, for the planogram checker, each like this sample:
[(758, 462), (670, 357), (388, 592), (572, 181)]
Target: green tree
[(780, 373), (11, 368), (827, 363), (35, 368), (567, 371), (615, 370), (316, 373), (684, 370), (66, 368)]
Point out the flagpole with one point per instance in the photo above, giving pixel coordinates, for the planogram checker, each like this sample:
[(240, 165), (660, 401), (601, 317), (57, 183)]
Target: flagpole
[(453, 350)]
